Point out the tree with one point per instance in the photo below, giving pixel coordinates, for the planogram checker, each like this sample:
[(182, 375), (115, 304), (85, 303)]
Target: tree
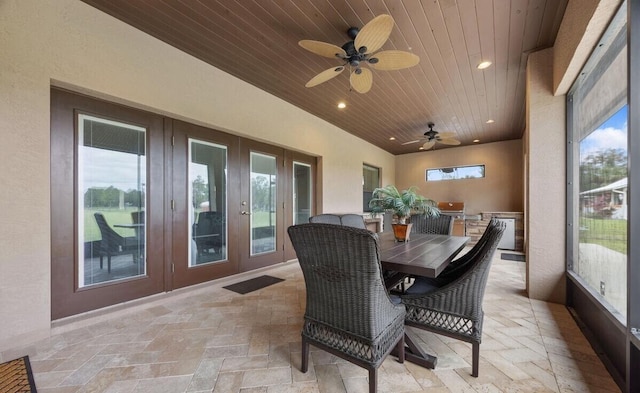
[(602, 167)]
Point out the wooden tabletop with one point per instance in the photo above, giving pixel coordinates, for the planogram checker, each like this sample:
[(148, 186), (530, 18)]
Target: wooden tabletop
[(424, 255)]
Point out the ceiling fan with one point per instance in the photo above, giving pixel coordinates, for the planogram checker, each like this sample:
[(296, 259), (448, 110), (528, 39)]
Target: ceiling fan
[(432, 136), (360, 50)]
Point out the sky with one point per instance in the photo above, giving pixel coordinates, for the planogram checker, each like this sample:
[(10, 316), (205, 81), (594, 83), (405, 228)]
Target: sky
[(612, 134)]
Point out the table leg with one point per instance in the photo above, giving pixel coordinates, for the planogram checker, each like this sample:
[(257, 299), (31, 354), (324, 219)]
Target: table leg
[(414, 354)]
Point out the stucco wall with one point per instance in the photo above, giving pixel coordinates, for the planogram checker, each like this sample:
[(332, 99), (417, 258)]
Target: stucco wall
[(581, 28), (70, 44), (546, 167), (500, 190)]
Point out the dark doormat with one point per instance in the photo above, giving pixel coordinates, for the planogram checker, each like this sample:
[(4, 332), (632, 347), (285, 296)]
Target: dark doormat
[(16, 376), (513, 257), (253, 284)]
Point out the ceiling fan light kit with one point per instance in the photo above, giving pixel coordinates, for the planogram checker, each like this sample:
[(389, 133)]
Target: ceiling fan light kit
[(361, 51)]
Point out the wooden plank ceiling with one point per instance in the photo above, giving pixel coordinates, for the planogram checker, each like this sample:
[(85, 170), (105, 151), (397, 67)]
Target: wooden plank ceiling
[(257, 41)]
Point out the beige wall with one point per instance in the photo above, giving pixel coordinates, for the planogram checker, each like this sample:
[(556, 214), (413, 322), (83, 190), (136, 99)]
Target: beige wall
[(546, 167), (500, 190), (70, 44)]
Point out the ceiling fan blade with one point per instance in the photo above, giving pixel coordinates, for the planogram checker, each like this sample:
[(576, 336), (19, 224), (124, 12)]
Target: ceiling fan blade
[(446, 135), (374, 34), (361, 82), (325, 76), (449, 141), (323, 49), (428, 145), (389, 60), (410, 142)]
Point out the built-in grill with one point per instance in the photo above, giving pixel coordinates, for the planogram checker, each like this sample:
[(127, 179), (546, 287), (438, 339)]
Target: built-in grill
[(455, 209)]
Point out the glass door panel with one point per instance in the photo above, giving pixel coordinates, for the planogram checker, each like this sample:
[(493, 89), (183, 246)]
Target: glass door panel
[(208, 210), (112, 174), (262, 204), (302, 193)]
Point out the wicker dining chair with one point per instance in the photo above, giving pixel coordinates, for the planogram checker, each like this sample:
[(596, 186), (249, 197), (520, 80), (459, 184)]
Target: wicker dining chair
[(441, 225), (455, 310), (353, 220), (348, 310), (349, 220), (456, 268), (325, 219)]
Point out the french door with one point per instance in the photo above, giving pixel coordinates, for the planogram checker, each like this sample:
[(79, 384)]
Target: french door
[(204, 182), (261, 205), (143, 204), (107, 204)]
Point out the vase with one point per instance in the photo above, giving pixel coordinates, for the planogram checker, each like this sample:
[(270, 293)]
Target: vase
[(402, 231)]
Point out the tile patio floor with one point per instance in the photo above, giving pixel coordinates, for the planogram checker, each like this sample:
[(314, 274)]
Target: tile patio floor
[(210, 339)]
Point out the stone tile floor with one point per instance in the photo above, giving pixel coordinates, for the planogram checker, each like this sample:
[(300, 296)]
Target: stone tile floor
[(210, 339)]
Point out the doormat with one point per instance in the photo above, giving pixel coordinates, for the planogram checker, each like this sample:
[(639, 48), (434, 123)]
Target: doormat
[(513, 257), (253, 284), (16, 376)]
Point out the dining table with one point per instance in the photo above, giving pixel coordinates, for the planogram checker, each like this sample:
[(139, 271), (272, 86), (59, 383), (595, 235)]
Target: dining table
[(423, 255)]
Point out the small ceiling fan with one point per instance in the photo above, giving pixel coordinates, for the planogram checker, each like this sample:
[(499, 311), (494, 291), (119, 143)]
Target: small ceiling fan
[(432, 136), (360, 50)]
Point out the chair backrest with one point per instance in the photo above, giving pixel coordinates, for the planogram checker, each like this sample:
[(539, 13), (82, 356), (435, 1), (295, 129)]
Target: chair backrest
[(349, 220), (343, 277), (473, 279), (111, 240), (325, 219), (459, 265), (441, 225), (137, 217), (209, 223), (353, 220)]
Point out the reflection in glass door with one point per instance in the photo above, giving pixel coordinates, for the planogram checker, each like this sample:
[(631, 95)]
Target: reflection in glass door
[(112, 174), (208, 207), (302, 193), (263, 200)]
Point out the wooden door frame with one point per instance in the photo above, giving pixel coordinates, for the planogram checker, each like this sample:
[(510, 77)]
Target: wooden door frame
[(67, 297)]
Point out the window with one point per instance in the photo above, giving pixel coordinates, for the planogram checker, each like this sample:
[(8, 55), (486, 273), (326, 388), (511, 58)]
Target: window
[(370, 181), (455, 173), (598, 114)]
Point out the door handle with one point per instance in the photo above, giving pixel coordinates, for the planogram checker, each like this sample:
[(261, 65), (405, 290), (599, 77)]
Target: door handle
[(245, 213)]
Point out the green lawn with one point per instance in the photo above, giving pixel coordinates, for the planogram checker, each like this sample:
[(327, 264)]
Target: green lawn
[(113, 216), (605, 232), (117, 216)]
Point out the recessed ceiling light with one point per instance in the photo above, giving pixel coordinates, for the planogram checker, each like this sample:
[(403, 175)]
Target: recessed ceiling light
[(342, 105), (476, 141), (393, 138), (490, 121), (484, 65)]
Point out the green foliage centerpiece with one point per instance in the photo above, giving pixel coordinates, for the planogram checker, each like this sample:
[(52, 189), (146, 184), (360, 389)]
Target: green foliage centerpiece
[(402, 205)]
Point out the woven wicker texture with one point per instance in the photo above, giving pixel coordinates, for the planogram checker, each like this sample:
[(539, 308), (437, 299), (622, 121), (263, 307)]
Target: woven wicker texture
[(441, 225), (455, 309), (347, 308), (348, 220)]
